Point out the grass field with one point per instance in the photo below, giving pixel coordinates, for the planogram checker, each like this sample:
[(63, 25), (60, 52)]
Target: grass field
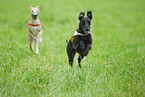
[(114, 67)]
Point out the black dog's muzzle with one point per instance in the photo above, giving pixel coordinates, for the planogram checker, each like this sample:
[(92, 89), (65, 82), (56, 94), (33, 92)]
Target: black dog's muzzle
[(34, 16), (86, 31)]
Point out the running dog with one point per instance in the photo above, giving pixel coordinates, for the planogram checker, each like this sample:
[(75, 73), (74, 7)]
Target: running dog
[(81, 41), (34, 29)]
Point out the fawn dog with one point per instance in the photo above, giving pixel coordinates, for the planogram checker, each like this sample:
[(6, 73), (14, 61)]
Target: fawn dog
[(34, 28)]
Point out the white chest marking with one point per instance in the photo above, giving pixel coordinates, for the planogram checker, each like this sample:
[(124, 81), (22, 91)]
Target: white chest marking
[(76, 33), (35, 29)]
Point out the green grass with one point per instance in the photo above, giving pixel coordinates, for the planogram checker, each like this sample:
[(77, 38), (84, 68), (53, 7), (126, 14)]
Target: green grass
[(114, 67)]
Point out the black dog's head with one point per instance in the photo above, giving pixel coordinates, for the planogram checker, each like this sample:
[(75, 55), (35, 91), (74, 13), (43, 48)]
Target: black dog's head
[(85, 22)]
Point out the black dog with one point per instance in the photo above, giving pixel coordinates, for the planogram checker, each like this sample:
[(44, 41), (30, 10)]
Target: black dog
[(81, 42)]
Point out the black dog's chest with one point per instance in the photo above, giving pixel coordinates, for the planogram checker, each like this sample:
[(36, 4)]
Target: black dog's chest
[(86, 39), (80, 42)]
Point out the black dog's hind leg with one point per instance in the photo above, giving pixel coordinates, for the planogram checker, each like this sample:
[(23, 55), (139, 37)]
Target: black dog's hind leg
[(71, 57), (71, 53), (79, 60)]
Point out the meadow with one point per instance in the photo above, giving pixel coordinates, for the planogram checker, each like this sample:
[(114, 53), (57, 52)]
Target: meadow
[(114, 67)]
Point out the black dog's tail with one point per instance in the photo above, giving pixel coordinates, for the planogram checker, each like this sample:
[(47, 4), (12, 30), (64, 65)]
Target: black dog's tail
[(67, 41)]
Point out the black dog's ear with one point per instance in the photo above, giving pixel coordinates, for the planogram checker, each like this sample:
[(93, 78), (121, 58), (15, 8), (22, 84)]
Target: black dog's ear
[(82, 14), (89, 14)]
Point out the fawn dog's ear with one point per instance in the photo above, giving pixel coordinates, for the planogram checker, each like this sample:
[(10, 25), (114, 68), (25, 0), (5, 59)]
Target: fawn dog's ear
[(89, 14), (30, 6), (81, 15), (38, 7)]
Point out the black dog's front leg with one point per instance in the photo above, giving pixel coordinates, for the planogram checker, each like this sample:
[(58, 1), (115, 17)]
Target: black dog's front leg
[(86, 51)]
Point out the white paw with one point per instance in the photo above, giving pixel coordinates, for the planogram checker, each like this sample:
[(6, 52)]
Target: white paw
[(40, 40)]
